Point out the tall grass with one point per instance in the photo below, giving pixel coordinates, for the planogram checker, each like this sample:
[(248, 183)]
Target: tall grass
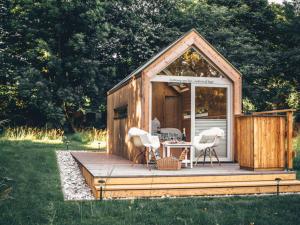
[(92, 137), (33, 134), (89, 135)]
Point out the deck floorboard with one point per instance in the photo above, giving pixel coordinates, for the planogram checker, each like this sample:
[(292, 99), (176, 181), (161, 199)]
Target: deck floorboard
[(124, 179), (104, 165)]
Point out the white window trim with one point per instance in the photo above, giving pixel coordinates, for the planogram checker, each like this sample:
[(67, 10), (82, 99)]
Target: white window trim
[(229, 143), (190, 80), (201, 82)]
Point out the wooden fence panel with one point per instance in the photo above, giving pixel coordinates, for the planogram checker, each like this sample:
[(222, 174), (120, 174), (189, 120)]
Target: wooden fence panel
[(261, 142)]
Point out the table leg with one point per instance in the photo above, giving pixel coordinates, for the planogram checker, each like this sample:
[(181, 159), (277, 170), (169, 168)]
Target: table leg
[(168, 151), (185, 157), (164, 151)]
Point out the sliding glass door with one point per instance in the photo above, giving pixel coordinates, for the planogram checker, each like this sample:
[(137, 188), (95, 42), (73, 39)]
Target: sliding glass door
[(211, 108)]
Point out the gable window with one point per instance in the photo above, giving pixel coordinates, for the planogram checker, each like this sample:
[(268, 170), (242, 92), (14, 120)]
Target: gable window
[(192, 64), (121, 112)]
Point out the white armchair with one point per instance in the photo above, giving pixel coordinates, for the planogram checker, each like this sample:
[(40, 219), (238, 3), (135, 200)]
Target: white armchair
[(145, 140), (206, 142)]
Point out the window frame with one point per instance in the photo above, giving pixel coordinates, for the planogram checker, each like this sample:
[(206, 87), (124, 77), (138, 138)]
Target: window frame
[(121, 112)]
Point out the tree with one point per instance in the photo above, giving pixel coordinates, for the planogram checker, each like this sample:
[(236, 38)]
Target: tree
[(59, 58)]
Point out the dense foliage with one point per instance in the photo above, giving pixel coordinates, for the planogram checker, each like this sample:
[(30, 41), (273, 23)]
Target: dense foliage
[(58, 58)]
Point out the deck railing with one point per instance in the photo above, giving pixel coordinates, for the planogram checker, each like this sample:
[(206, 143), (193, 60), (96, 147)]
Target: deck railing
[(263, 140)]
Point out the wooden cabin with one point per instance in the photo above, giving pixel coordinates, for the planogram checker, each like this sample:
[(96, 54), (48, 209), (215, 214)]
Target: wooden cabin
[(190, 86), (187, 85)]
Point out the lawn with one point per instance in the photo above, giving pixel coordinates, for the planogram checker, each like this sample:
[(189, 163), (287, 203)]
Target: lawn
[(37, 198)]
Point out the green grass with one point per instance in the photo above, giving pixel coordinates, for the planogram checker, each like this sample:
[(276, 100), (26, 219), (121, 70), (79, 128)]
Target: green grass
[(37, 199)]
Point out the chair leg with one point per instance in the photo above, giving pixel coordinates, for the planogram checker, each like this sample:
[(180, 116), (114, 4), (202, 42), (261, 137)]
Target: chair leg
[(197, 159), (210, 157), (138, 155), (153, 155), (204, 156), (147, 158), (214, 151)]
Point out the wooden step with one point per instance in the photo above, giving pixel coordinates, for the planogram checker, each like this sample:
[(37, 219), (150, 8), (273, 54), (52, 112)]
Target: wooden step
[(197, 189), (195, 179)]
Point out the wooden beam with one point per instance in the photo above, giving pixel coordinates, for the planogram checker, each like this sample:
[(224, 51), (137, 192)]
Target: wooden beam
[(194, 179), (289, 139), (274, 111), (233, 188)]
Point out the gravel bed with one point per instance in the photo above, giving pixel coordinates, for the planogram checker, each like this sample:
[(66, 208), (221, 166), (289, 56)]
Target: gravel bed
[(72, 181)]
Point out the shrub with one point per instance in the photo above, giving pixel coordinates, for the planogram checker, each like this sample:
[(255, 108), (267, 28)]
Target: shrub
[(297, 162), (89, 135), (297, 149), (79, 137)]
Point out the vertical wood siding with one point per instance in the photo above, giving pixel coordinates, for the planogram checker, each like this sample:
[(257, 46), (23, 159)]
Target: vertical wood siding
[(118, 141), (260, 141)]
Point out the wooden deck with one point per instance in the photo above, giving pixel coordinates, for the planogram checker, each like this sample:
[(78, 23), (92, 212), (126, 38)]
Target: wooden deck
[(125, 179)]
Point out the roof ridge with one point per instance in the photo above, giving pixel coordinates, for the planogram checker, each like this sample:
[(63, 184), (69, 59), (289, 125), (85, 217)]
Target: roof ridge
[(157, 55)]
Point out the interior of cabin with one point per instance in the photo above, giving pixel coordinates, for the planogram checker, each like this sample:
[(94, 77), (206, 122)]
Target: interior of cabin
[(171, 106)]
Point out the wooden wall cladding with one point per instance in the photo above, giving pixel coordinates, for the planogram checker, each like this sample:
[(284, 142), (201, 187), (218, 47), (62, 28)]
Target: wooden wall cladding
[(118, 141), (159, 92), (260, 142)]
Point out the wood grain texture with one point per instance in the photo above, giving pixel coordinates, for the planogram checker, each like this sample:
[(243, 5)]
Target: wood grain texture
[(160, 92), (118, 141), (260, 141), (274, 111), (141, 182), (289, 134), (244, 141), (289, 154), (194, 179), (198, 189)]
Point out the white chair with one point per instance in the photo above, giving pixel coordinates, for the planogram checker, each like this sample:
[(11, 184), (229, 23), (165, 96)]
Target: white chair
[(206, 142), (143, 139)]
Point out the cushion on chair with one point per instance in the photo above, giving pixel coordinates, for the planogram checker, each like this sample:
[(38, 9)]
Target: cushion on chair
[(207, 139)]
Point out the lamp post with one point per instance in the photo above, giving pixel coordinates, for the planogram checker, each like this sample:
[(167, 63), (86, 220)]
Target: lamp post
[(277, 183), (66, 141), (102, 183)]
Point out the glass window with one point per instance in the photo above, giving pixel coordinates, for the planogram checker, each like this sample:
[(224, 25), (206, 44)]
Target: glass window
[(121, 112), (210, 102), (192, 64), (211, 111)]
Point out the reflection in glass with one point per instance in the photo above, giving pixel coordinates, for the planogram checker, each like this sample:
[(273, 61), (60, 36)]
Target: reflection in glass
[(210, 102), (191, 63), (211, 111)]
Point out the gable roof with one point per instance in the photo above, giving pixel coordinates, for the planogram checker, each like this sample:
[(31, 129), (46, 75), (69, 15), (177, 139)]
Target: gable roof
[(158, 55)]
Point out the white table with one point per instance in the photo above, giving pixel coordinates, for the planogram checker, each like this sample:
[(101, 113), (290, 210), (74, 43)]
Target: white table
[(183, 145)]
